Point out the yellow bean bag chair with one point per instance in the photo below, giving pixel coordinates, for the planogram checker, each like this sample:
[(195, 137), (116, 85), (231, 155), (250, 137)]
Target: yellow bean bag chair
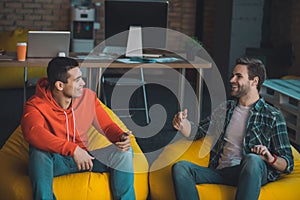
[(15, 183), (161, 185), (13, 77)]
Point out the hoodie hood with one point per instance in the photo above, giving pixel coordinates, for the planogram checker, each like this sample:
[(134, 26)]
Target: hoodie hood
[(43, 91)]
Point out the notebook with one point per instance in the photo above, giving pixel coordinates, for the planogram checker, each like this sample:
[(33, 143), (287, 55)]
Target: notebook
[(48, 44)]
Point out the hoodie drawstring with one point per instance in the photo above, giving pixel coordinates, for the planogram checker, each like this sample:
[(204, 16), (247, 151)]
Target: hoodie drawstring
[(67, 125), (74, 127)]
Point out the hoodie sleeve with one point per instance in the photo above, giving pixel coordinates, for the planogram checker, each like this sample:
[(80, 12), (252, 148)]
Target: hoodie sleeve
[(38, 134), (111, 130)]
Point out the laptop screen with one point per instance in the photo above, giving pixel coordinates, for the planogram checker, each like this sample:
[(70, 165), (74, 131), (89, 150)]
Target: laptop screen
[(48, 44)]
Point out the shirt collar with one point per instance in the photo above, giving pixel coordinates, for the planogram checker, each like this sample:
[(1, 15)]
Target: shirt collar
[(257, 105)]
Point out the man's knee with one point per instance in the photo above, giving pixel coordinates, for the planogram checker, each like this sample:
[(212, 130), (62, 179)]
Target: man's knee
[(180, 168), (252, 163), (122, 161), (39, 155), (126, 156), (252, 158)]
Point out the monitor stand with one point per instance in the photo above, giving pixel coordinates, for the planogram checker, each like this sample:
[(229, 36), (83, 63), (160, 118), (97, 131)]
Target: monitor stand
[(134, 48), (134, 42)]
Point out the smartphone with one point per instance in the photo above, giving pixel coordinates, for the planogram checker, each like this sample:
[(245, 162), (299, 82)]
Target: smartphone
[(122, 139)]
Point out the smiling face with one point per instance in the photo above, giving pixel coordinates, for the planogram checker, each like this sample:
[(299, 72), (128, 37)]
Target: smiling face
[(73, 87), (240, 83)]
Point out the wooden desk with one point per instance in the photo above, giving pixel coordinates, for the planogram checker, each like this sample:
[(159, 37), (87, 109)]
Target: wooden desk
[(99, 65)]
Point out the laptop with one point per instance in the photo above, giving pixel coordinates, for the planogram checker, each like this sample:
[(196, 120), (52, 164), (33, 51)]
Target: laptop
[(48, 44)]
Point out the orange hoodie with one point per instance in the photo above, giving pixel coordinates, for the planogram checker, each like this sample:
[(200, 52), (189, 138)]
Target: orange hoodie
[(49, 127)]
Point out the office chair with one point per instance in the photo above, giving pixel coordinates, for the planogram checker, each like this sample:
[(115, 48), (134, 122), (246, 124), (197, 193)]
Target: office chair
[(116, 82)]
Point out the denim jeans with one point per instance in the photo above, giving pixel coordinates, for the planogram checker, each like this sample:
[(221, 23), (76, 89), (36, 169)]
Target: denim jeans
[(43, 166), (249, 176)]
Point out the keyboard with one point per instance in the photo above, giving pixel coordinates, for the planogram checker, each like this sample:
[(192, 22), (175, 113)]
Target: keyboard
[(95, 57)]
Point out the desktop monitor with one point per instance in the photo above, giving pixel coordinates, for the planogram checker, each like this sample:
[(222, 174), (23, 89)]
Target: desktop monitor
[(48, 44), (121, 14)]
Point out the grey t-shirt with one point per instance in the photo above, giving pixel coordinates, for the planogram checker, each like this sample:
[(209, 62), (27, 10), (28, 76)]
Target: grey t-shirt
[(232, 152)]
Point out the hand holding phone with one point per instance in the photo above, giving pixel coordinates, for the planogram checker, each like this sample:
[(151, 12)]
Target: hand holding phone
[(124, 143)]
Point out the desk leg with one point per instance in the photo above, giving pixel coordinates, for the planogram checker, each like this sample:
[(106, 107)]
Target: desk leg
[(25, 83), (98, 82), (93, 82), (198, 92), (181, 87), (199, 86), (88, 78)]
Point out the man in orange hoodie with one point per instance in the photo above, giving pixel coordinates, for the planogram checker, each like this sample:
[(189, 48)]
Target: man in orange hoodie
[(55, 123)]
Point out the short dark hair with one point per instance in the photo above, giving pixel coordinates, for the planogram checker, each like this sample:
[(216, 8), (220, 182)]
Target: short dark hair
[(255, 68), (58, 68)]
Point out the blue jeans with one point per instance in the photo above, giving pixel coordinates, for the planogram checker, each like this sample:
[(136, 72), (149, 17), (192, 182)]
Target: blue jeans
[(43, 166), (249, 176)]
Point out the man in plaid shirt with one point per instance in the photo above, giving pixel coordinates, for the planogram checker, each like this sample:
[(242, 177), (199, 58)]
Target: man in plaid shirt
[(252, 146)]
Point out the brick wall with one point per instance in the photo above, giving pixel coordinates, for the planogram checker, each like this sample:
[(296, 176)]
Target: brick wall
[(35, 14), (182, 16), (55, 15), (208, 24)]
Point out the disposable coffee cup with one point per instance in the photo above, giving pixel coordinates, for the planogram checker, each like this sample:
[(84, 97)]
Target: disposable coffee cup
[(21, 51)]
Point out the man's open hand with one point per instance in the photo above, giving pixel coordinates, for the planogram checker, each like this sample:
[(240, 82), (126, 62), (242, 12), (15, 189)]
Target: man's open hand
[(83, 159), (181, 123)]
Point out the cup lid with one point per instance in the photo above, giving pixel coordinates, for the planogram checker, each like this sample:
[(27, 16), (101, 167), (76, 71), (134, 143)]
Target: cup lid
[(22, 44)]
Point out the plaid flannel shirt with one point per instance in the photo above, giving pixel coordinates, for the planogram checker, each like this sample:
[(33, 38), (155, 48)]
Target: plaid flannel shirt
[(266, 126)]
